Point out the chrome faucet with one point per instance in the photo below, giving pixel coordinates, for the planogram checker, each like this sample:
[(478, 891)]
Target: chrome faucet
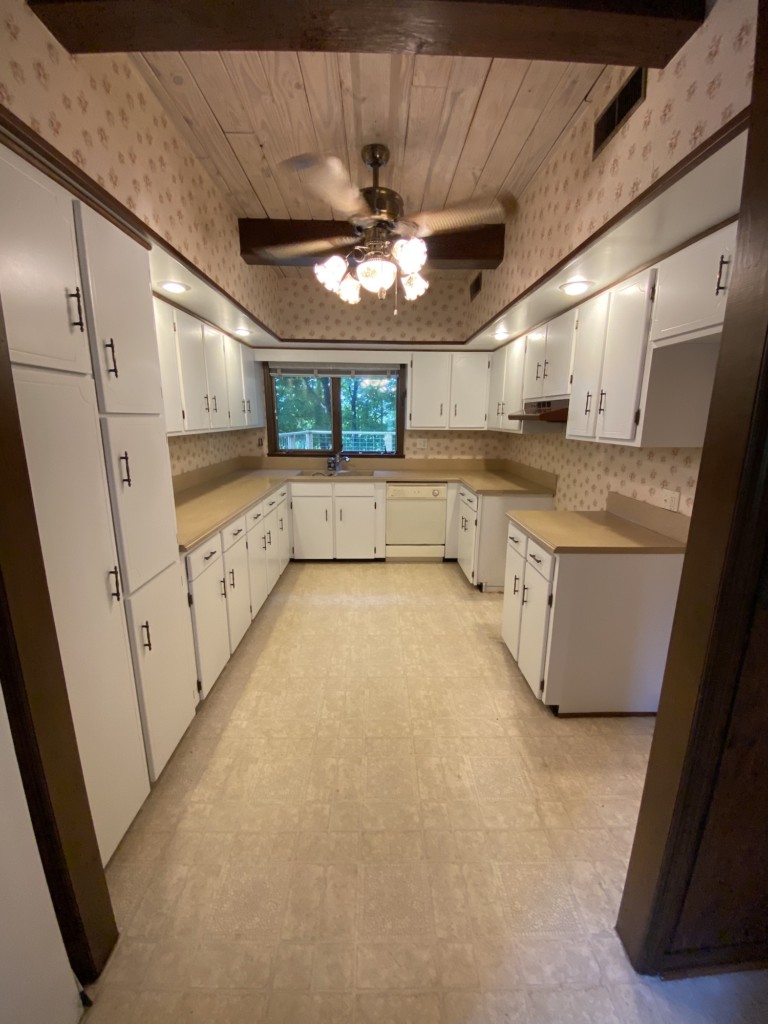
[(335, 460)]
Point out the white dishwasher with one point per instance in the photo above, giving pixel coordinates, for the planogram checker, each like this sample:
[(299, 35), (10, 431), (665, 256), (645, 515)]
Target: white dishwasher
[(416, 521)]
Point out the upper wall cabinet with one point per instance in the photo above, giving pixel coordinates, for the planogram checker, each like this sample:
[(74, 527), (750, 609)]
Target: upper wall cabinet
[(194, 382), (217, 398), (448, 390), (39, 275), (548, 359), (234, 375), (117, 291), (253, 388), (588, 350), (170, 374), (469, 390), (692, 288)]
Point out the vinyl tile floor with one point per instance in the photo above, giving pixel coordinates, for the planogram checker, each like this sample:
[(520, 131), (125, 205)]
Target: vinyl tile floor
[(371, 820)]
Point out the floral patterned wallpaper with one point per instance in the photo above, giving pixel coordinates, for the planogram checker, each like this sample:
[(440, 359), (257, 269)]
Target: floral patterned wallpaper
[(99, 112)]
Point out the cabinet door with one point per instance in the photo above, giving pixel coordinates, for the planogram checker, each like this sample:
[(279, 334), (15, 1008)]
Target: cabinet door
[(170, 374), (39, 276), (467, 537), (257, 566), (429, 390), (355, 527), (235, 393), (139, 471), (626, 341), (216, 372), (271, 532), (194, 382), (283, 535), (312, 527), (588, 350), (253, 384), (209, 622), (513, 596), (496, 389), (160, 629), (238, 592), (469, 391), (558, 354), (534, 622), (533, 373), (60, 424), (121, 321), (692, 286), (512, 400)]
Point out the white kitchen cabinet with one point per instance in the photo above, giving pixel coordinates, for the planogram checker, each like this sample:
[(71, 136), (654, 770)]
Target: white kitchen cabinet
[(39, 275), (513, 593), (216, 372), (452, 521), (194, 382), (163, 650), (139, 472), (429, 390), (284, 540), (467, 547), (512, 398), (253, 386), (589, 346), (207, 587), (235, 391), (548, 359), (312, 525), (534, 624), (272, 531), (60, 424), (238, 591), (117, 292), (170, 373), (355, 532), (496, 389), (692, 287), (469, 390), (533, 373), (257, 558)]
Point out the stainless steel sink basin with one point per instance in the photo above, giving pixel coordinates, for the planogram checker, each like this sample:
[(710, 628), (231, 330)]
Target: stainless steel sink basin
[(342, 472)]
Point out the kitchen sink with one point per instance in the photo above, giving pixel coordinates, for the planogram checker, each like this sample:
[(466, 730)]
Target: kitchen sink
[(342, 472)]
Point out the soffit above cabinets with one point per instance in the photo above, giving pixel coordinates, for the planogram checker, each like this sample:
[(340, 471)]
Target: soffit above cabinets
[(705, 197), (457, 127)]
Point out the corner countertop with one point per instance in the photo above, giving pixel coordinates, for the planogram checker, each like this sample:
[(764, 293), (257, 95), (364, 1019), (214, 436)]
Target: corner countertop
[(203, 510), (592, 533)]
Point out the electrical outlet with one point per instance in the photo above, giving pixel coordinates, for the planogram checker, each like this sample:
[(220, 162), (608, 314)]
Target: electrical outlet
[(670, 499), (260, 443), (422, 443)]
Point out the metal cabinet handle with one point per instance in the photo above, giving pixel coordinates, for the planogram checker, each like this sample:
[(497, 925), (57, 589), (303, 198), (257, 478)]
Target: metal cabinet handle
[(538, 367), (127, 478), (536, 559), (280, 520), (110, 346), (79, 322), (264, 542), (455, 410), (441, 408), (232, 578), (720, 287), (498, 408), (503, 407), (248, 403), (215, 405), (223, 587), (237, 532), (243, 406), (148, 641), (272, 503), (525, 591), (209, 555), (515, 584), (269, 537), (514, 539), (341, 515), (256, 516), (601, 406), (546, 364), (207, 404), (326, 515), (588, 404), (116, 573)]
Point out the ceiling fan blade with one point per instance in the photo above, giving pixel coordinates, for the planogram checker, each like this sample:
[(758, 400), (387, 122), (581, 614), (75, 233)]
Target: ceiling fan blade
[(327, 177), (295, 250), (455, 218)]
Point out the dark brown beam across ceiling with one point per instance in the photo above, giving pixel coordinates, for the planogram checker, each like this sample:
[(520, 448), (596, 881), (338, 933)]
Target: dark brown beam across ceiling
[(478, 249), (643, 32)]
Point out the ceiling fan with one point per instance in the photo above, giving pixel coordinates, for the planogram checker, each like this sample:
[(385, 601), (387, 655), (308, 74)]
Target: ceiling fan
[(385, 241)]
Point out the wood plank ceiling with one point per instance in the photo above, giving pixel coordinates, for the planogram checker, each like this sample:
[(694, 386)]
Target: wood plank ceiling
[(457, 127)]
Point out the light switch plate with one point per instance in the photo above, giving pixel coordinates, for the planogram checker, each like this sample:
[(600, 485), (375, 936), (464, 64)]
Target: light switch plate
[(670, 499), (422, 443)]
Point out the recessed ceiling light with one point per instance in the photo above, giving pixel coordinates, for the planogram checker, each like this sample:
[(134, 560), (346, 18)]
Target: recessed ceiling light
[(501, 334), (174, 287), (576, 286), (242, 332)]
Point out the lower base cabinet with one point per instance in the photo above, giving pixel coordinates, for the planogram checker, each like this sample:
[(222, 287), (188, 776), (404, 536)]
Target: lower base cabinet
[(209, 616), (257, 559), (313, 524), (355, 527), (238, 591), (534, 621), (164, 661), (513, 596)]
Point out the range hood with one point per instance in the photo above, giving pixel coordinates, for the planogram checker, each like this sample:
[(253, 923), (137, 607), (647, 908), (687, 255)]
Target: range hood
[(553, 410)]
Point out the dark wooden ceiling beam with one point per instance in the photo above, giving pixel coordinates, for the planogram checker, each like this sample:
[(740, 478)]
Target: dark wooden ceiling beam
[(477, 249), (640, 32)]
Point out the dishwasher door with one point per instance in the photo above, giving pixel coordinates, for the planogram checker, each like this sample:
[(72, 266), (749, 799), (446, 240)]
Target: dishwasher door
[(416, 516)]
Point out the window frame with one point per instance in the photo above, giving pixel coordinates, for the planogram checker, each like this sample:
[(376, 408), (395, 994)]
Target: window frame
[(272, 431)]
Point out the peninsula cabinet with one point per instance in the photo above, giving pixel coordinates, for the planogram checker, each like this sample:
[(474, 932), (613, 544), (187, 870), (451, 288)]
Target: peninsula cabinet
[(208, 591), (448, 390)]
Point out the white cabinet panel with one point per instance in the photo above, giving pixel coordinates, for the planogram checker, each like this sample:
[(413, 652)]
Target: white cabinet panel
[(625, 348), (452, 520), (312, 527), (170, 373), (60, 424), (469, 391), (164, 659), (558, 353), (588, 351), (121, 321), (238, 592), (253, 384), (282, 514), (533, 375), (496, 389), (355, 527), (512, 400), (257, 560), (429, 390), (467, 539), (692, 286), (513, 595), (271, 531), (216, 372), (139, 471), (194, 383), (209, 620), (235, 393), (534, 621), (39, 277)]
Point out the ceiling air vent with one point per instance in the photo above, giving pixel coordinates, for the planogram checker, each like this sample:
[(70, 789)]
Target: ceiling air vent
[(629, 96), (475, 286)]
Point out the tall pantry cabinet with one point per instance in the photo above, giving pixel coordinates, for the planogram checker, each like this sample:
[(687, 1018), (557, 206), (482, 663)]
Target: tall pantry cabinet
[(76, 304)]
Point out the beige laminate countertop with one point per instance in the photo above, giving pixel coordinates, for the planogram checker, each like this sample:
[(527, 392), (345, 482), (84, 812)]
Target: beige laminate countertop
[(202, 511), (592, 533)]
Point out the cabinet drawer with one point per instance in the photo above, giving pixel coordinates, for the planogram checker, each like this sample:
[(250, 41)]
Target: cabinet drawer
[(204, 556), (540, 559), (517, 540), (282, 494), (233, 531), (469, 497), (310, 489), (354, 489), (254, 516)]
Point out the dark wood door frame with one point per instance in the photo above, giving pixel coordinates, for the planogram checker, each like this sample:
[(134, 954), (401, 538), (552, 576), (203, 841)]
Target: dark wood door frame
[(667, 921)]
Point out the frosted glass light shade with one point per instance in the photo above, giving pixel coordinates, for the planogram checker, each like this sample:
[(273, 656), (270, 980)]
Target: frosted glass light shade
[(330, 272), (349, 290), (414, 286), (377, 275), (411, 254)]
